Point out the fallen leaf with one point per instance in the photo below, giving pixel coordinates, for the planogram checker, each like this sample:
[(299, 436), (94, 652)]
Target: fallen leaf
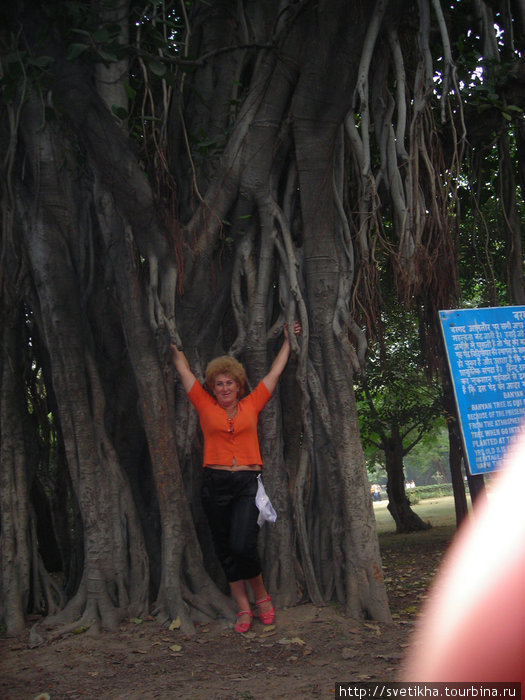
[(176, 647), (34, 638), (410, 609), (267, 634), (175, 625), (268, 628), (371, 625)]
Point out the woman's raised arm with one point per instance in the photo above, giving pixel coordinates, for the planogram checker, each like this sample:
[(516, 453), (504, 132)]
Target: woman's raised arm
[(280, 361), (183, 367)]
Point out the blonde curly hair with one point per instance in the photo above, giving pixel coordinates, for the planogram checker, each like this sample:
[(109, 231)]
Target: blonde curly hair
[(225, 364)]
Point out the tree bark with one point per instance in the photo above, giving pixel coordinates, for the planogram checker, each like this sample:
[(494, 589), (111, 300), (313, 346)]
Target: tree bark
[(256, 163), (339, 470), (15, 541), (455, 452), (398, 504), (180, 553), (115, 581)]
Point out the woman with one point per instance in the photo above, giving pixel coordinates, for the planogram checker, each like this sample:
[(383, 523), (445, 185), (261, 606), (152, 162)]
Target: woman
[(232, 462)]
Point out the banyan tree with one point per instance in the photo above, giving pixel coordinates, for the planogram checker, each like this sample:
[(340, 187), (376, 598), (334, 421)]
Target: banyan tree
[(203, 172)]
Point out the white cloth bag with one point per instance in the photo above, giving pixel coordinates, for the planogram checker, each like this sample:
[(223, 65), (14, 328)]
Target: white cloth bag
[(266, 510)]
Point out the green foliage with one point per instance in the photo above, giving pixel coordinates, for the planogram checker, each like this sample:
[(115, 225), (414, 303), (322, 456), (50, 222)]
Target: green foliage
[(89, 38), (431, 491), (397, 394), (490, 111), (482, 250), (21, 68), (430, 456)]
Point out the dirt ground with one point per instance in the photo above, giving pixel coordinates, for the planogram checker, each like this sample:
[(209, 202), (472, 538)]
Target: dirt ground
[(302, 655)]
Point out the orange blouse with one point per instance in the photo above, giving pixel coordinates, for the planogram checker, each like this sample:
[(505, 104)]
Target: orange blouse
[(228, 439)]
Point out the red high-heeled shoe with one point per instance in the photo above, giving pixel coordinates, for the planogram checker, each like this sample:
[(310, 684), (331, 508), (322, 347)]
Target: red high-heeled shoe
[(265, 617), (243, 627)]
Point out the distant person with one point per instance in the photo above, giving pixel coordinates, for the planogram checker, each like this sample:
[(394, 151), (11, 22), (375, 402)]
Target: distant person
[(472, 627), (232, 461)]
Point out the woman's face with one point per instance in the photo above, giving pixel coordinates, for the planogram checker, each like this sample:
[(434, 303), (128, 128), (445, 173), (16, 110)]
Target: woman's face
[(226, 390)]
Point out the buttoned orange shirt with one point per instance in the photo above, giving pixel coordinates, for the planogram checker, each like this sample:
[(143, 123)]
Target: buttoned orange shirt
[(226, 440)]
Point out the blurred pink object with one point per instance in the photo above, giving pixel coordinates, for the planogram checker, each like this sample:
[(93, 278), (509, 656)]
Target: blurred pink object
[(472, 627)]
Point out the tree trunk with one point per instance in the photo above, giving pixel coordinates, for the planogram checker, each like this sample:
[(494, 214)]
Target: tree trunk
[(398, 504), (262, 171), (15, 541), (344, 513), (115, 580), (476, 485), (455, 451), (182, 573)]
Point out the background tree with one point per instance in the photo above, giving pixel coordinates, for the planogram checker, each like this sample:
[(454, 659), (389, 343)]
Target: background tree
[(203, 172), (399, 404)]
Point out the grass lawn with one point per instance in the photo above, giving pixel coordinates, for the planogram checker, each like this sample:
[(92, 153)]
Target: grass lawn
[(438, 511)]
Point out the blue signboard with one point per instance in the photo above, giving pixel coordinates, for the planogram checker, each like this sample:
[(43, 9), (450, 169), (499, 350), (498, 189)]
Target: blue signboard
[(486, 355)]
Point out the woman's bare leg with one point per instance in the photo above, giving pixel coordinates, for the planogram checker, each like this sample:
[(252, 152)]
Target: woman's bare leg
[(240, 594), (260, 593)]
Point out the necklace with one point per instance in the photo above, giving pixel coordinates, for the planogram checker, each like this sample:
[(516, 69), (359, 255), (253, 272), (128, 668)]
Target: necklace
[(231, 412)]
